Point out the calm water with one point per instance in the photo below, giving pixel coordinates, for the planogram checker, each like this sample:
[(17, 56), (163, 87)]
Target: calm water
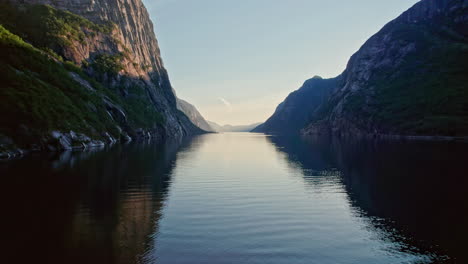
[(239, 198)]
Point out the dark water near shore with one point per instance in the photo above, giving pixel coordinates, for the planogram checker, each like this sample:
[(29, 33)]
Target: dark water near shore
[(239, 198)]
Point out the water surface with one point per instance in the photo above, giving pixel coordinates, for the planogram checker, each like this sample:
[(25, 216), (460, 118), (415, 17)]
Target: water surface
[(239, 198)]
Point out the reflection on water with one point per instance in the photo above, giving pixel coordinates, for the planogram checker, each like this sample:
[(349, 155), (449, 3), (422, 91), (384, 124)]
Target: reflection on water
[(239, 198), (412, 193), (85, 207)]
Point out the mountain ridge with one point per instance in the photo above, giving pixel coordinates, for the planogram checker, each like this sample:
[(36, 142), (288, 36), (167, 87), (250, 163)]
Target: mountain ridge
[(293, 113), (193, 114), (82, 73), (232, 128), (408, 80)]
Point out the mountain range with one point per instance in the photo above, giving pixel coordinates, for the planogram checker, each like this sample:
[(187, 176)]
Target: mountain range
[(82, 73), (232, 128), (197, 119), (408, 80)]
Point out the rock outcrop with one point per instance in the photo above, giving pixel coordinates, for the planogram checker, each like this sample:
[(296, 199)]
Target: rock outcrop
[(409, 79), (132, 31), (132, 35), (107, 48)]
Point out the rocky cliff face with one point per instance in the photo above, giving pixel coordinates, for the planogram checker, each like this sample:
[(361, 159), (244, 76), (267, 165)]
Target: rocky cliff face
[(408, 79), (132, 36), (192, 113), (299, 107), (109, 49), (132, 32)]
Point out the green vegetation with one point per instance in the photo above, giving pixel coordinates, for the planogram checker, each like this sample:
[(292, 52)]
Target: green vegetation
[(39, 95), (55, 32), (139, 108), (106, 63), (427, 94), (47, 27)]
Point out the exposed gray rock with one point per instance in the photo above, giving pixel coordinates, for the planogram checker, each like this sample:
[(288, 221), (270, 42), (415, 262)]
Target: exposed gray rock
[(72, 140), (134, 35), (109, 139), (115, 111), (143, 71), (134, 31), (81, 81), (193, 114)]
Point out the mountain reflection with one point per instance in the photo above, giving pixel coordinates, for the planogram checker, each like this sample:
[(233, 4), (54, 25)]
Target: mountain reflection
[(86, 207), (239, 198), (414, 192)]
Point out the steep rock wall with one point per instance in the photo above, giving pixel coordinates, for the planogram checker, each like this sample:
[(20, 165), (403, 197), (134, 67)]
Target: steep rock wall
[(132, 34), (113, 42)]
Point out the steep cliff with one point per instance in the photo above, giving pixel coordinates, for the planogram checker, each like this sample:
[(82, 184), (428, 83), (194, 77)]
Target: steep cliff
[(81, 71), (299, 107), (411, 78), (193, 114), (408, 79), (131, 32)]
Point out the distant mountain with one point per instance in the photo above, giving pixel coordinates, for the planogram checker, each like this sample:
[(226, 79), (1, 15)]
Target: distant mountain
[(215, 126), (192, 113), (229, 128), (411, 78), (295, 112)]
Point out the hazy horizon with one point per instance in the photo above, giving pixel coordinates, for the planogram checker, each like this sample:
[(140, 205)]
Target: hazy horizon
[(236, 61), (102, 165)]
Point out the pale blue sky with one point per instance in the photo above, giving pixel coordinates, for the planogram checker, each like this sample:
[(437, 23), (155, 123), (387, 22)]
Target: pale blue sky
[(235, 60)]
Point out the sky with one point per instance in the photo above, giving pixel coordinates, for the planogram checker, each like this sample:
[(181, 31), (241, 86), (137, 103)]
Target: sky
[(236, 60)]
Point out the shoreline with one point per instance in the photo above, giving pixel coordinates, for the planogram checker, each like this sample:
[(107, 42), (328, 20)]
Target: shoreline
[(66, 142), (395, 137)]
